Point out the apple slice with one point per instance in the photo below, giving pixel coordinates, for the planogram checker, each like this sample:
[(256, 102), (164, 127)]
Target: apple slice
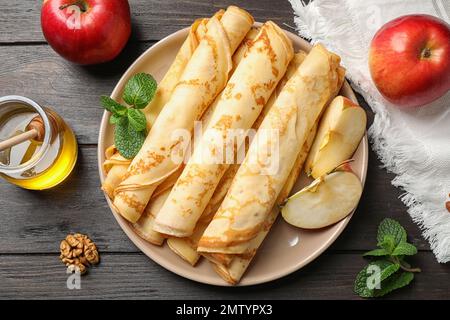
[(324, 202), (340, 131)]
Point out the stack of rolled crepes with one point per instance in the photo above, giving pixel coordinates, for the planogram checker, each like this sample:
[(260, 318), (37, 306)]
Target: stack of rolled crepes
[(237, 80), (204, 76), (247, 212)]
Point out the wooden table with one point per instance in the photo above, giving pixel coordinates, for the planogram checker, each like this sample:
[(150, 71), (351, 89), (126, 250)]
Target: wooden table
[(33, 223)]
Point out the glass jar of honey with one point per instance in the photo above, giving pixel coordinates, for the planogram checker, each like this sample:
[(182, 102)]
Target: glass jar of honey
[(43, 161)]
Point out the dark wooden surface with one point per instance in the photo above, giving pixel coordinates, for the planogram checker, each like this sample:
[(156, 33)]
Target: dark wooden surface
[(33, 223)]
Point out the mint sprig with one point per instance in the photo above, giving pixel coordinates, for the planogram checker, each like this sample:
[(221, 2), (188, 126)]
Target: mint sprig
[(130, 121), (388, 271)]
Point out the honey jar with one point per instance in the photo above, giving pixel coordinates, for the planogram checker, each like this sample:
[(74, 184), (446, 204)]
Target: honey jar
[(46, 159)]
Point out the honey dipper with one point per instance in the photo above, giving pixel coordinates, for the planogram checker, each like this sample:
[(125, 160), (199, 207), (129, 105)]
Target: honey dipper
[(34, 130)]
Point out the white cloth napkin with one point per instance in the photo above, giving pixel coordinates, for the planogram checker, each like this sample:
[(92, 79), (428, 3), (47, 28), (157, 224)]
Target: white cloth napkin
[(415, 144)]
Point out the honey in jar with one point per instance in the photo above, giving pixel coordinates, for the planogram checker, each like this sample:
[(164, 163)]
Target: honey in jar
[(43, 161)]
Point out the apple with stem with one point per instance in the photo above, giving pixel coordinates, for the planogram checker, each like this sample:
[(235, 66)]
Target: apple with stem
[(86, 31), (409, 60)]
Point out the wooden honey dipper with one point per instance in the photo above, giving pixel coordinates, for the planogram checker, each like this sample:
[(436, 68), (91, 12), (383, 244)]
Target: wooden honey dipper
[(35, 130)]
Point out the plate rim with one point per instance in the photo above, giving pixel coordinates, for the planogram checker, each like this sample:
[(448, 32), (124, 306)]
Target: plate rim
[(139, 242)]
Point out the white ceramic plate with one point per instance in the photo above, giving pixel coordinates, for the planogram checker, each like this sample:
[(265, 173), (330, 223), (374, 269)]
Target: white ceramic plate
[(286, 249)]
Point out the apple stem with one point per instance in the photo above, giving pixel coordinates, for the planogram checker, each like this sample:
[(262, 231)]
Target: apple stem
[(426, 53), (80, 3)]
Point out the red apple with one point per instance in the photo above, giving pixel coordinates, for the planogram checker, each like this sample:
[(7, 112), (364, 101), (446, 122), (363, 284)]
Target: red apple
[(86, 31), (409, 60)]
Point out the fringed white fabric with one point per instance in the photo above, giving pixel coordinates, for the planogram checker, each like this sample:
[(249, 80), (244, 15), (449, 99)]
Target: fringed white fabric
[(414, 144)]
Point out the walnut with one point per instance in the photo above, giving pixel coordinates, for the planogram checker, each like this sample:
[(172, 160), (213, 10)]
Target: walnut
[(78, 252)]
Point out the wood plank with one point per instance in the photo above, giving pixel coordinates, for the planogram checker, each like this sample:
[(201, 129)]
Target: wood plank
[(74, 91), (151, 20), (125, 276), (35, 222)]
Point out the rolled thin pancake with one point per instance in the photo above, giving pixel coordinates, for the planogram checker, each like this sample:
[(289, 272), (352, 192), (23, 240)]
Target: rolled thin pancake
[(118, 165), (173, 74), (225, 259), (204, 76), (263, 173), (187, 247), (144, 226), (239, 105), (231, 267)]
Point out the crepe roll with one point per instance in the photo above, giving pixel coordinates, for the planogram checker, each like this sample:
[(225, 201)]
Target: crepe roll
[(272, 154), (213, 206), (144, 226), (203, 78), (239, 105), (231, 267), (173, 74)]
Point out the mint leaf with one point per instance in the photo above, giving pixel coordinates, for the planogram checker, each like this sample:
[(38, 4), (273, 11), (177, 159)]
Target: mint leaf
[(128, 141), (130, 133), (139, 90), (376, 253), (392, 228), (361, 288), (370, 278), (383, 276), (394, 282), (404, 249), (388, 243), (137, 119), (115, 118), (112, 106)]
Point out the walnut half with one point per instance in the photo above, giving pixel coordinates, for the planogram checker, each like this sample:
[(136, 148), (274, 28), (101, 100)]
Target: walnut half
[(78, 252)]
